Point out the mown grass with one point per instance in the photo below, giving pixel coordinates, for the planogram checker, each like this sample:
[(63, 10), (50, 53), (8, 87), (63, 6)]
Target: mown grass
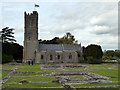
[(32, 85), (77, 77), (112, 74), (8, 66), (75, 69), (32, 79), (94, 84), (68, 71), (99, 65), (4, 74), (26, 67)]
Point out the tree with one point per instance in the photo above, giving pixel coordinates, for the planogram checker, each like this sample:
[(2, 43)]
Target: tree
[(111, 55), (53, 41), (10, 50), (7, 35), (93, 53), (67, 39)]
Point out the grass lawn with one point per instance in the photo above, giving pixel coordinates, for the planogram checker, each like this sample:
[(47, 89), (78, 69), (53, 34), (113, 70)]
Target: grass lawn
[(77, 77), (26, 67), (112, 74), (32, 79), (4, 74), (99, 65), (94, 84), (8, 66), (100, 69), (32, 85)]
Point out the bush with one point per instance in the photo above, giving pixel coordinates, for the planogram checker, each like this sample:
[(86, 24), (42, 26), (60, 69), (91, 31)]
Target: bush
[(93, 53), (6, 58), (92, 60), (81, 61)]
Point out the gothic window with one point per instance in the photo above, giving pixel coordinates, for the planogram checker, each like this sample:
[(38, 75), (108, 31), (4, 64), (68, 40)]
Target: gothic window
[(51, 57), (70, 56), (58, 56), (42, 56)]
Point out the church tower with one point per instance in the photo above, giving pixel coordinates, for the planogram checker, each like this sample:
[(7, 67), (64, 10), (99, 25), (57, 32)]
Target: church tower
[(30, 36)]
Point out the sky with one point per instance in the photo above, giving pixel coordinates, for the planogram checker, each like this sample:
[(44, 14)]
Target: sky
[(89, 22)]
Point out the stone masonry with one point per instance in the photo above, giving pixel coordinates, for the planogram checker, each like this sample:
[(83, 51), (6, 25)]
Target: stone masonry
[(45, 53)]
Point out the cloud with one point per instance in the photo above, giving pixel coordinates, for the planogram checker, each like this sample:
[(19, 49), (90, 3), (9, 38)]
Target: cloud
[(106, 18), (89, 22), (106, 23), (101, 29)]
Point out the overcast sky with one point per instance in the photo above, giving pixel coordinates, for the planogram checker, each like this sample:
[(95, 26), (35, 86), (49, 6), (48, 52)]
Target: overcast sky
[(89, 22)]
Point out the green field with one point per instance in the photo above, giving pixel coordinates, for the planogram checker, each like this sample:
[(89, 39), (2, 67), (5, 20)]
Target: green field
[(37, 80)]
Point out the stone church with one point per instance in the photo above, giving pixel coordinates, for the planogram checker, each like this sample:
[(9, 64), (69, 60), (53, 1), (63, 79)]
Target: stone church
[(46, 53)]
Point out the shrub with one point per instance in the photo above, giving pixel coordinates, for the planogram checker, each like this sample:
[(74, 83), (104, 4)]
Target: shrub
[(92, 60), (93, 54), (6, 58)]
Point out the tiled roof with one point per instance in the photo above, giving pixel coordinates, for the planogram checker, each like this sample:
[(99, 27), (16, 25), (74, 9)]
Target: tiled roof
[(71, 47), (57, 47)]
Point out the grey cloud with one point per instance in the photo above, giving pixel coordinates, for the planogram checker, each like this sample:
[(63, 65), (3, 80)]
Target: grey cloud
[(105, 23)]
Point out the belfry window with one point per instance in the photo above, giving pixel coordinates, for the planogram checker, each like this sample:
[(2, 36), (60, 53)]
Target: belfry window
[(70, 56), (51, 57), (42, 56)]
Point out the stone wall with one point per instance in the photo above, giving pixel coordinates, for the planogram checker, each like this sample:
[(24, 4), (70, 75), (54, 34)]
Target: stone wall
[(56, 57), (70, 57)]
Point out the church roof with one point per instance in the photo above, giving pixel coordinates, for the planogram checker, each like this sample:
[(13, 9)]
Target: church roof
[(57, 47)]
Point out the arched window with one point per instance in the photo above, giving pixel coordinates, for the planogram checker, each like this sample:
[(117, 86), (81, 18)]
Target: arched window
[(58, 56), (42, 56), (70, 56), (51, 57)]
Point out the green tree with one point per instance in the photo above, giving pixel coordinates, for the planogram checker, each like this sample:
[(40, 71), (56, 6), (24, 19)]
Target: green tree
[(67, 39), (10, 49), (93, 53), (111, 55), (117, 53), (7, 35)]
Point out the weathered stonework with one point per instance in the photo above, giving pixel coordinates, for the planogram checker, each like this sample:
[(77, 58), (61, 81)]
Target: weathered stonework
[(30, 36), (50, 53)]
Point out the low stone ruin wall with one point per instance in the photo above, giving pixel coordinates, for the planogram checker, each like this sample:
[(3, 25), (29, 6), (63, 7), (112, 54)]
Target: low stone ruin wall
[(68, 66)]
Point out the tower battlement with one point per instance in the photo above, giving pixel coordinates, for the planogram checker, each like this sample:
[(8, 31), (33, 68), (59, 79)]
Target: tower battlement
[(33, 14)]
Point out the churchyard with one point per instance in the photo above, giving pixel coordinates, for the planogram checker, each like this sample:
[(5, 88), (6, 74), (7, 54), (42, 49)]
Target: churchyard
[(60, 76)]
